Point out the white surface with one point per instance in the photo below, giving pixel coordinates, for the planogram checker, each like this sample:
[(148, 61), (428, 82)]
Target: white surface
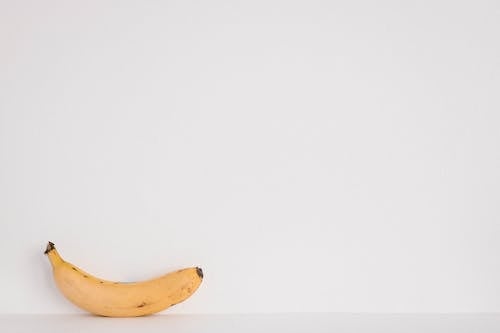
[(310, 156), (310, 322)]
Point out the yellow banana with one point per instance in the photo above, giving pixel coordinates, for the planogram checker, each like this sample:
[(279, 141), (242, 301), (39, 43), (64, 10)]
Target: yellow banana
[(122, 299)]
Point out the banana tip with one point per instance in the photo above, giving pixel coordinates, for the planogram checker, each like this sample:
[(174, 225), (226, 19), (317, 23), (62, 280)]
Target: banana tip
[(199, 271), (50, 247)]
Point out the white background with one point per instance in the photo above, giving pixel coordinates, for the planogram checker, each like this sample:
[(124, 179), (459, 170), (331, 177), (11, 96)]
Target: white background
[(309, 155)]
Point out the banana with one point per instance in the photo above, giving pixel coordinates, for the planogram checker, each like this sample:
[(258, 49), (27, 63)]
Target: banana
[(122, 299)]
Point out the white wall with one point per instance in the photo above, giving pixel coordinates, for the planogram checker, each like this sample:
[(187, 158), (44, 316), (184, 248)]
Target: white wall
[(310, 156)]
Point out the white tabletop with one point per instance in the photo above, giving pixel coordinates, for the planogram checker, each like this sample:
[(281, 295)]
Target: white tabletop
[(287, 322)]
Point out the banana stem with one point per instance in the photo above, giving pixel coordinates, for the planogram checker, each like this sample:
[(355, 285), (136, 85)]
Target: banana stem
[(50, 247), (53, 255)]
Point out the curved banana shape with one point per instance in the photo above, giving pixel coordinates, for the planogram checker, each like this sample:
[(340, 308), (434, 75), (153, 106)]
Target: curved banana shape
[(122, 299)]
